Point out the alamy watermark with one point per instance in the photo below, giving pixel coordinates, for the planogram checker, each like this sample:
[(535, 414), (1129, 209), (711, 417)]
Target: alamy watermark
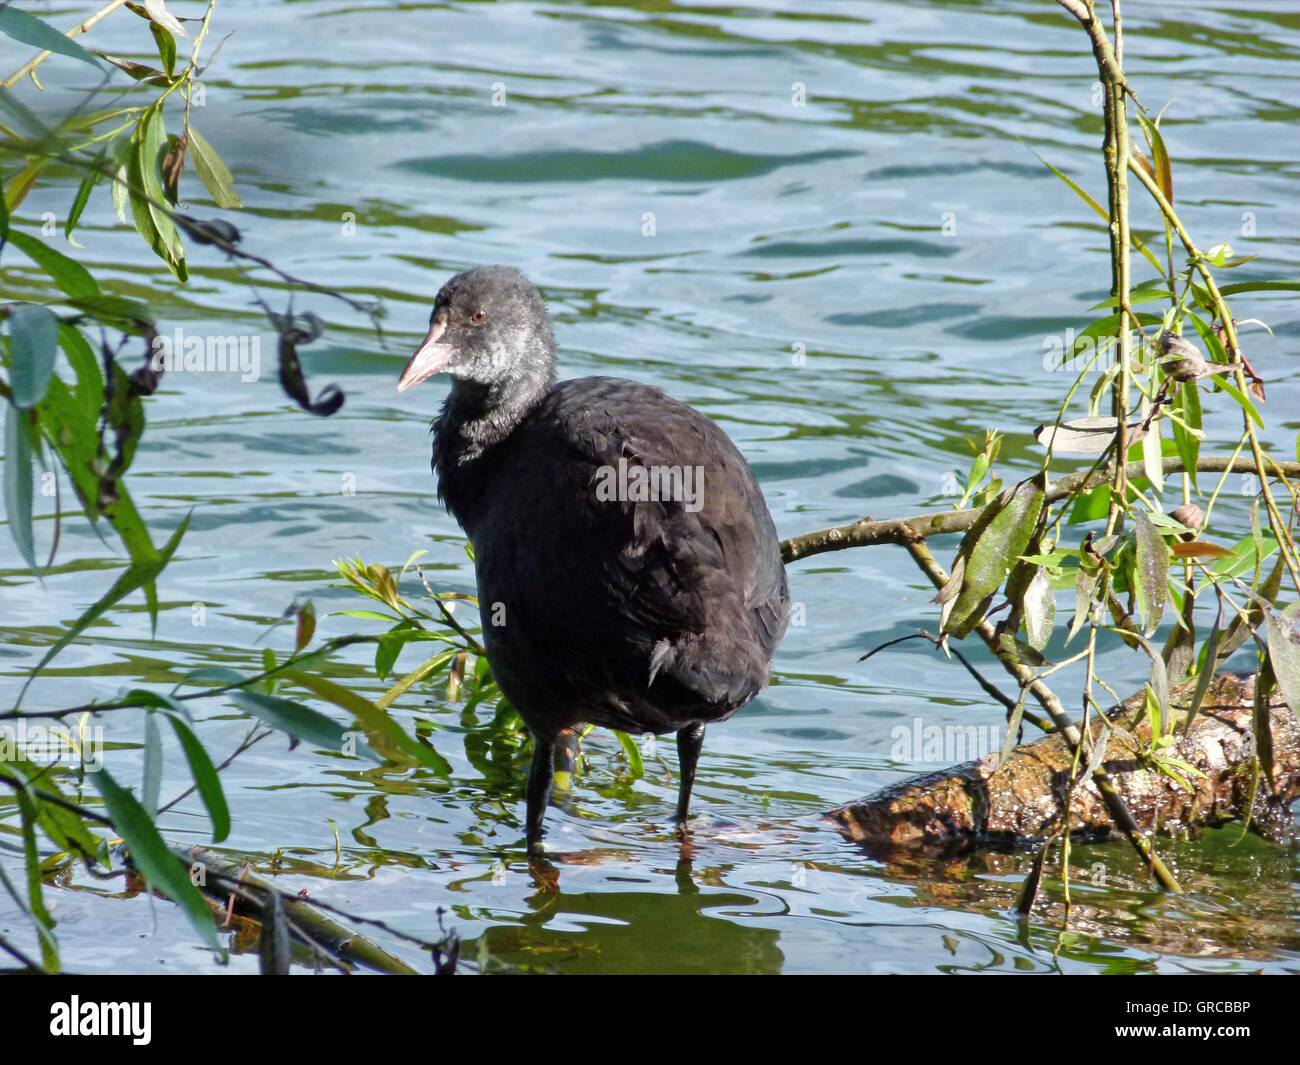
[(240, 354), (53, 744), (919, 742), (628, 483)]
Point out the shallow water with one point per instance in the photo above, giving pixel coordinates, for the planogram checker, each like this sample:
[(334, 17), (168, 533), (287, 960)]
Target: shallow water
[(896, 229)]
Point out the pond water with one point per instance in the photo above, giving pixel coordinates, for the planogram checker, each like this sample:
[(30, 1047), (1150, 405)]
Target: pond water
[(853, 183)]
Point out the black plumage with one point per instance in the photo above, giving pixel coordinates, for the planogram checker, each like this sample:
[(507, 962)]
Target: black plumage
[(629, 574)]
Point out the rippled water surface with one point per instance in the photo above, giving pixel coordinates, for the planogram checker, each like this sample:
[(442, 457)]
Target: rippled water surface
[(896, 230)]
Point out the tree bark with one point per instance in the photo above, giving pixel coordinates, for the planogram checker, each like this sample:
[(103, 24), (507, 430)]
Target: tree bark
[(981, 803)]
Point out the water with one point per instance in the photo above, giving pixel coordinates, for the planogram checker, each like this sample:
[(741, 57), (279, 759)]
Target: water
[(896, 230)]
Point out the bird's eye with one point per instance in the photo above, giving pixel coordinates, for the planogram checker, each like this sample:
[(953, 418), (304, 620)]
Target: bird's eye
[(478, 317)]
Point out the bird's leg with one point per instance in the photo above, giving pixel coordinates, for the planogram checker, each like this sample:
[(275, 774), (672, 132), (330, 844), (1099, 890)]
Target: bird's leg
[(689, 742), (566, 754), (539, 789)]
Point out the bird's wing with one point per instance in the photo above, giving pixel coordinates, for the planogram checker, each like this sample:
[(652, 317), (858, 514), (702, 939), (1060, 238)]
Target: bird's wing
[(695, 576)]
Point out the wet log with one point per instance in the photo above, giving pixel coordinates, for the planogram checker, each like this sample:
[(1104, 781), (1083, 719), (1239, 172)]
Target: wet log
[(315, 936), (981, 803)]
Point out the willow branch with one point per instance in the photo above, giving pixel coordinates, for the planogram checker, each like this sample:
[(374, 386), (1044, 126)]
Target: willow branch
[(1024, 676), (81, 27), (867, 533), (1233, 350)]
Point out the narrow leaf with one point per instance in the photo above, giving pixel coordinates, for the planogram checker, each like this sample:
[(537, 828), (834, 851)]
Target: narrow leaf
[(213, 172), (1152, 572), (19, 475), (28, 29), (71, 277), (152, 784), (33, 343), (150, 855), (372, 718)]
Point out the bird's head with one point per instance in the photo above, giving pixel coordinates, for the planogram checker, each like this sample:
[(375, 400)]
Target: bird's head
[(490, 327)]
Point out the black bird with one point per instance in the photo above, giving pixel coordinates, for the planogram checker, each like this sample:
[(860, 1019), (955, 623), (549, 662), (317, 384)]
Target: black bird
[(629, 573)]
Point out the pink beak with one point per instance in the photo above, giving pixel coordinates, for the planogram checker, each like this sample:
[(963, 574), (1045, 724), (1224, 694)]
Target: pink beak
[(430, 357)]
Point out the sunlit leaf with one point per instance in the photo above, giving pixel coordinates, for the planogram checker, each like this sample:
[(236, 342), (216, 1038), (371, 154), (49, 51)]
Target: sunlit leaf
[(213, 172), (372, 718)]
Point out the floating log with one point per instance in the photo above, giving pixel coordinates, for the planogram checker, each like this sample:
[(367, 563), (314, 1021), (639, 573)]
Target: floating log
[(981, 803)]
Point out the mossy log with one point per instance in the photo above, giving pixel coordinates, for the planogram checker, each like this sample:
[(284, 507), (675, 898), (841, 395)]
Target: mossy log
[(982, 803)]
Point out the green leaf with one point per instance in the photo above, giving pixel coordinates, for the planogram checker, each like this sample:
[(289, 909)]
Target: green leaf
[(1206, 673), (420, 672), (1243, 556), (1260, 286), (19, 472), (1152, 572), (205, 777), (391, 643), (297, 720), (74, 435), (1000, 536), (1159, 156), (1152, 458), (73, 278), (90, 379), (32, 864), (212, 172), (1284, 650), (152, 784), (120, 186), (64, 826), (166, 47), (1039, 611), (372, 718), (118, 312), (33, 340), (1091, 506), (368, 615), (1148, 292), (150, 855), (217, 675), (1187, 405), (1084, 587), (1246, 404), (149, 150), (84, 190), (633, 753), (201, 767), (30, 30)]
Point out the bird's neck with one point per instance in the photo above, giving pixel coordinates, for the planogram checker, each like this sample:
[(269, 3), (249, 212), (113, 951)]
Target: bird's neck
[(476, 417)]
